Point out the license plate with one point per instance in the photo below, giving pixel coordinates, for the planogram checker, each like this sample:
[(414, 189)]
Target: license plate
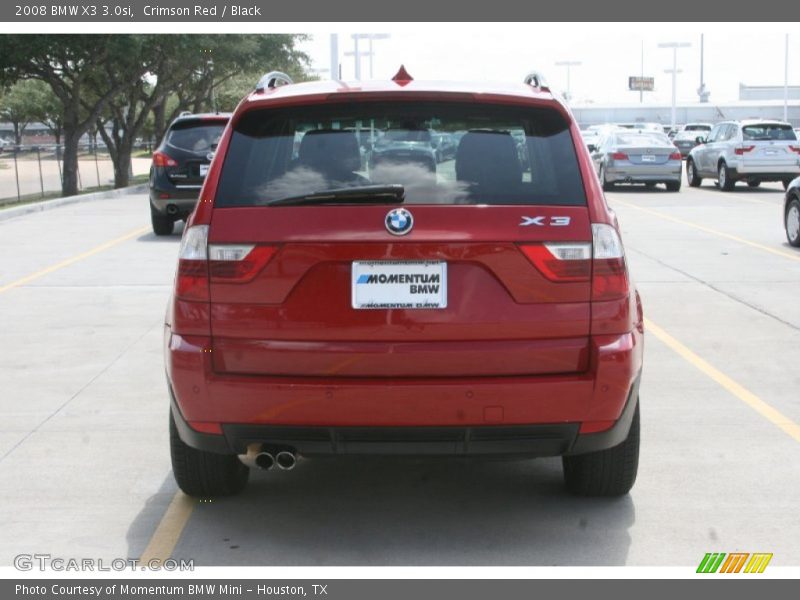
[(770, 152), (381, 284), (203, 170), (648, 158)]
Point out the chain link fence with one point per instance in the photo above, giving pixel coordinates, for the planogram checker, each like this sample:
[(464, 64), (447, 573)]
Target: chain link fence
[(29, 173)]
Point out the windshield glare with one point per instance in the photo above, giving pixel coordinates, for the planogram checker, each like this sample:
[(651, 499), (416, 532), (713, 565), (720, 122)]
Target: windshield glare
[(499, 155)]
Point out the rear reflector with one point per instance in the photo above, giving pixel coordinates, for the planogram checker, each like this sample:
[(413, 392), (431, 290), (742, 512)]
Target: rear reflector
[(619, 156), (595, 426), (561, 261), (206, 427), (743, 149), (609, 273)]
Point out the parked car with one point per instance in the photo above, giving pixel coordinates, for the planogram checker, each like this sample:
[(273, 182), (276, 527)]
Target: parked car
[(750, 150), (685, 141), (701, 127), (642, 126), (403, 146), (638, 156), (791, 213), (444, 146), (179, 168), (320, 310)]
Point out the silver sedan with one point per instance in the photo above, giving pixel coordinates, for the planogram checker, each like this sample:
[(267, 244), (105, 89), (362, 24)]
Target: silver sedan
[(646, 157)]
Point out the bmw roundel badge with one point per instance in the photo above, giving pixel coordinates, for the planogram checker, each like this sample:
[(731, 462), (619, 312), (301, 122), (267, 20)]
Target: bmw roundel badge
[(399, 221)]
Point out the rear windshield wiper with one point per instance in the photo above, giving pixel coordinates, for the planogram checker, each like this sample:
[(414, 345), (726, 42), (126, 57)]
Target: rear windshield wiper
[(365, 194)]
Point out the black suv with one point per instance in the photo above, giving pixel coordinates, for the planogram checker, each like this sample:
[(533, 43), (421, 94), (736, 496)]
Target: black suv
[(180, 165)]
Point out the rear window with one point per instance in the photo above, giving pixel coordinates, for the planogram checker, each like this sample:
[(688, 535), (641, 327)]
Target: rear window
[(195, 136), (641, 139), (504, 155), (697, 128), (768, 131)]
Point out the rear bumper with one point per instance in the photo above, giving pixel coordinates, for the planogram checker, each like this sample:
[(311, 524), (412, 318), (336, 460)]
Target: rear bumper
[(534, 415), (164, 193), (644, 173), (487, 440), (764, 173)]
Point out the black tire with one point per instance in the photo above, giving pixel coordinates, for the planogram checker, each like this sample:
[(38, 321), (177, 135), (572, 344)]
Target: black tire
[(607, 185), (691, 174), (753, 184), (609, 472), (793, 212), (724, 178), (205, 474), (786, 183), (162, 224), (673, 186)]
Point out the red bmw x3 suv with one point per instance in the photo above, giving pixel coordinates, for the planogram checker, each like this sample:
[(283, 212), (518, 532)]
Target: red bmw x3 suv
[(330, 299)]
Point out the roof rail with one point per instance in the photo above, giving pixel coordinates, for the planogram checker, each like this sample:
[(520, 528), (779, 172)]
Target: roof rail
[(185, 113), (536, 79), (273, 79)]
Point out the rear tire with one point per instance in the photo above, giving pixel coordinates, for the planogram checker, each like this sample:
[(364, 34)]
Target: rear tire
[(205, 474), (792, 222), (609, 472), (162, 224), (786, 183), (691, 174), (724, 177), (673, 186)]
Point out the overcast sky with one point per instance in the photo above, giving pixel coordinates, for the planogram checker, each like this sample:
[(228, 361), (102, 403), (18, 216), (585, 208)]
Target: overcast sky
[(748, 53)]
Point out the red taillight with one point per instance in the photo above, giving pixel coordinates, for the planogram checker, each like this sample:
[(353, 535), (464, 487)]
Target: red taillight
[(237, 264), (740, 151), (161, 159), (191, 280), (619, 156), (561, 262), (795, 149), (676, 156), (609, 273)]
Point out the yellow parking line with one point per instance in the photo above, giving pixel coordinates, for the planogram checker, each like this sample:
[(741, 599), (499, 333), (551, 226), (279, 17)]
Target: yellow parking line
[(72, 260), (735, 238), (169, 530), (757, 404)]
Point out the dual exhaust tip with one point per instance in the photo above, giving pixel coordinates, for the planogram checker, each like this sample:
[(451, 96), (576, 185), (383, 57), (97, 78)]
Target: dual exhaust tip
[(284, 459)]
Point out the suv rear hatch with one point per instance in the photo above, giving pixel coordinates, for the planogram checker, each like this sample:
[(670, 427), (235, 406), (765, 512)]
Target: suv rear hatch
[(190, 144), (769, 145), (499, 249)]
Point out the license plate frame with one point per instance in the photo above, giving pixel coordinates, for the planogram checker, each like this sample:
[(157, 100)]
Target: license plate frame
[(418, 285)]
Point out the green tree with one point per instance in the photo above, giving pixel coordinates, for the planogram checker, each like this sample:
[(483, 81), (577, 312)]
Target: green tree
[(83, 71), (16, 108)]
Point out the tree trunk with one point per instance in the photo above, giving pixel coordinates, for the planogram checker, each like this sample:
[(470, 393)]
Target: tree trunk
[(69, 186), (17, 134), (122, 164), (159, 117)]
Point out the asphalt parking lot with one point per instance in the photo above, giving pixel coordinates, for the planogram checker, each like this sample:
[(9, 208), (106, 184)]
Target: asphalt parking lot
[(84, 458)]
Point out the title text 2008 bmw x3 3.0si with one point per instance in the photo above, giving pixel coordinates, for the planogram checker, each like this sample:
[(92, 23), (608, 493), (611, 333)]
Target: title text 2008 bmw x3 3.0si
[(335, 299)]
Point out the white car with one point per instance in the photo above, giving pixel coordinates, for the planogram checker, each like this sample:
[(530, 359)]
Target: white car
[(752, 151)]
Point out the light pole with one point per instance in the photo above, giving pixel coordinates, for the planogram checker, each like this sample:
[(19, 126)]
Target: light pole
[(568, 64), (334, 68), (786, 82), (674, 70)]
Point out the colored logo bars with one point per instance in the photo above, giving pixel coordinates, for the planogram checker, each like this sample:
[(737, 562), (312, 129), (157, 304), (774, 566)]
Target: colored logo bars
[(714, 562)]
